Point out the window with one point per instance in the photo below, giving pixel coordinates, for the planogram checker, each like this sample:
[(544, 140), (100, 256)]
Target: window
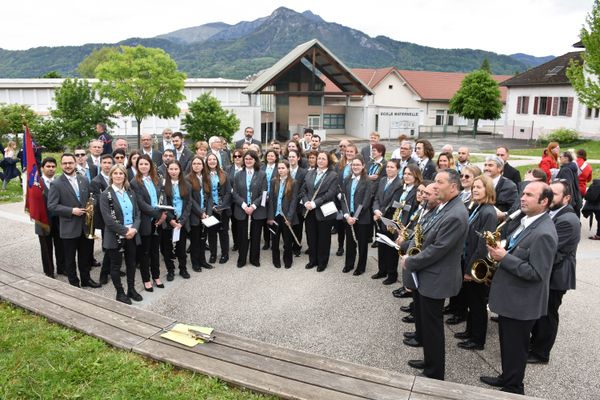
[(543, 105), (450, 120), (439, 117), (314, 100), (334, 121), (588, 112), (390, 86), (283, 100), (562, 105), (314, 121), (522, 104), (596, 112)]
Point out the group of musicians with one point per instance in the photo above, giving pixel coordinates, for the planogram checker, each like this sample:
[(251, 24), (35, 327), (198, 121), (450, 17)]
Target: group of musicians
[(430, 223)]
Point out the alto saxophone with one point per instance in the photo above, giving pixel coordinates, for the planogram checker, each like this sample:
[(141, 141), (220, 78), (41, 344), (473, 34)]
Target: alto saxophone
[(89, 218), (416, 249)]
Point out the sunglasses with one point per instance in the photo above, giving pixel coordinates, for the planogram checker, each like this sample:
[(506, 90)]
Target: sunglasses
[(466, 176), (80, 155), (237, 156), (119, 157)]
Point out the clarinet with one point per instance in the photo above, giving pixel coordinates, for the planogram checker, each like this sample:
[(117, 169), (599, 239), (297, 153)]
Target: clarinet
[(113, 214), (249, 218)]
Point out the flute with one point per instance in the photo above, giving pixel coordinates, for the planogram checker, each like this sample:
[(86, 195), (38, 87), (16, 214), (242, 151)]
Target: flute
[(249, 217)]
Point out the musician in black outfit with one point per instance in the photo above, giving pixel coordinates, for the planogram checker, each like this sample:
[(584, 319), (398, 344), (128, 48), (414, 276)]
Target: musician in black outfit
[(248, 188), (121, 216), (178, 195), (298, 173), (97, 186), (236, 166), (356, 205), (217, 186), (148, 189), (281, 213), (425, 152), (319, 189), (482, 218), (201, 204)]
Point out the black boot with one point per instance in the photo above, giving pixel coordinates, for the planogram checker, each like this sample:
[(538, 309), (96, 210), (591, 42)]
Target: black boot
[(132, 294), (122, 297)]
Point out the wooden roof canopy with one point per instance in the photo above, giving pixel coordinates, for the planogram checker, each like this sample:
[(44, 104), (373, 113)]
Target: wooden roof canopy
[(320, 60)]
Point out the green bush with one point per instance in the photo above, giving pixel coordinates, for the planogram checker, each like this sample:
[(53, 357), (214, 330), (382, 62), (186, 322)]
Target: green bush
[(47, 133), (561, 135)]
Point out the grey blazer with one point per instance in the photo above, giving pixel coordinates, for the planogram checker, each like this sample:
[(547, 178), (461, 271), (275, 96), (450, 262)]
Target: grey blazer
[(258, 185), (97, 186), (288, 205), (568, 230), (327, 192), (185, 158), (362, 196), (520, 286), (61, 201), (148, 213), (438, 265), (506, 194), (114, 227)]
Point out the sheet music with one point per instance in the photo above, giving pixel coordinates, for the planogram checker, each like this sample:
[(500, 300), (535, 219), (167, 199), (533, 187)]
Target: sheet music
[(176, 234), (210, 221), (328, 208), (381, 238)]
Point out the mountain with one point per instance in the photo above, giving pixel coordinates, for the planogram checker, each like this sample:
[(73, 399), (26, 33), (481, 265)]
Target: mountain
[(531, 61), (242, 49)]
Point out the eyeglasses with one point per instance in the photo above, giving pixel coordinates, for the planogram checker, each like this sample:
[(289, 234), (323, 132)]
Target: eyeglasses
[(237, 156), (79, 154), (119, 157), (466, 176)]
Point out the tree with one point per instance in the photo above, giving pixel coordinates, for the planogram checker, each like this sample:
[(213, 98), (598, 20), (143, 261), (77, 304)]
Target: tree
[(141, 82), (478, 98), (12, 117), (87, 67), (78, 110), (207, 118), (485, 65), (584, 76)]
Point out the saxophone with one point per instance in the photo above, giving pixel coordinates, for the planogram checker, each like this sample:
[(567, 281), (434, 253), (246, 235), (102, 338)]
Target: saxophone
[(397, 215), (89, 218), (416, 249)]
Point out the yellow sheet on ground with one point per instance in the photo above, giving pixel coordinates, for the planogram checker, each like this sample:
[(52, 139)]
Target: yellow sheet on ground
[(180, 334)]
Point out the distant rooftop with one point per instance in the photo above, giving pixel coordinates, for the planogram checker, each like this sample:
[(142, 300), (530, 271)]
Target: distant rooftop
[(553, 72)]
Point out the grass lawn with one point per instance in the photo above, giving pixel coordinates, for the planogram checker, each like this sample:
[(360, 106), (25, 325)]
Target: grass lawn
[(42, 360), (14, 191), (592, 147), (524, 168)]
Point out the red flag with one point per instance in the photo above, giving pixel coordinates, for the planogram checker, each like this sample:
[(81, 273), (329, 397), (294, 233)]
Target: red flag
[(34, 198)]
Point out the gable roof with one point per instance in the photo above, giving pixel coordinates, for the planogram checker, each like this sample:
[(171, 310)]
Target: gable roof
[(554, 72), (312, 53)]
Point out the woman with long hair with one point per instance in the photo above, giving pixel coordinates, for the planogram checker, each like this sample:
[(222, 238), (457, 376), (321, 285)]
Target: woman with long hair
[(148, 188), (281, 213), (311, 160), (248, 188), (482, 218), (269, 166), (356, 206), (218, 187), (9, 164), (201, 204), (132, 164), (122, 218), (445, 161), (467, 176), (293, 145), (549, 161), (236, 166), (178, 197), (298, 173)]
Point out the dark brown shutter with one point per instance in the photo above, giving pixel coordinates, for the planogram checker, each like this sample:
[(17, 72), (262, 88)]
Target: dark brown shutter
[(570, 107), (535, 105), (548, 105), (555, 106)]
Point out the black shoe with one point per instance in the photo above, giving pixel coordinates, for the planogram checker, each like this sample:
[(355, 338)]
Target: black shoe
[(455, 320), (418, 364), (309, 266), (96, 263), (357, 273), (76, 284), (122, 273), (410, 335), (390, 281), (212, 259), (412, 342), (150, 289), (321, 268), (288, 266), (340, 252), (470, 345), (347, 269), (463, 335), (297, 253), (241, 265), (447, 310), (160, 286), (374, 245), (495, 381), (409, 319), (401, 293), (103, 279), (533, 359), (170, 276), (407, 309), (379, 275), (122, 297), (133, 295), (184, 274), (197, 268), (224, 258), (206, 265), (256, 264), (235, 248), (91, 283), (267, 246), (277, 265)]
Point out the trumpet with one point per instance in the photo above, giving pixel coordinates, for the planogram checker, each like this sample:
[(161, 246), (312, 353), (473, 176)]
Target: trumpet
[(89, 218), (483, 269)]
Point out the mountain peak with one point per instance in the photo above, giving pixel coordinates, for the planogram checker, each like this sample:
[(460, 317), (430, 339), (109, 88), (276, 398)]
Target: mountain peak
[(313, 17), (284, 12)]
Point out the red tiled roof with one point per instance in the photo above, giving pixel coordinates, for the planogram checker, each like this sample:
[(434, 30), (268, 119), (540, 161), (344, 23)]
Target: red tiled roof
[(428, 85)]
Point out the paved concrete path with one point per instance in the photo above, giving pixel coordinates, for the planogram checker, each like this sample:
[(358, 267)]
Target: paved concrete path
[(347, 317)]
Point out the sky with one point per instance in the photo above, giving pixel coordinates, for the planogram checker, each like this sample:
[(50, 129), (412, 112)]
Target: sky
[(536, 27)]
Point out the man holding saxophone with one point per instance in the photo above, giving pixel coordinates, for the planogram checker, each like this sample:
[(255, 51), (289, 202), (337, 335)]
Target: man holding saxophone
[(519, 290), (437, 268)]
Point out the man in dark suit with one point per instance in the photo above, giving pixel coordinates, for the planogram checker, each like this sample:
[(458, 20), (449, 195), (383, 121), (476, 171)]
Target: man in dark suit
[(155, 155), (366, 151), (506, 190), (67, 198), (50, 238), (406, 150), (248, 138), (519, 290), (562, 278), (105, 138), (215, 147), (424, 150), (84, 169), (438, 269), (182, 153), (375, 167), (97, 186), (95, 152), (509, 171), (167, 157), (166, 141)]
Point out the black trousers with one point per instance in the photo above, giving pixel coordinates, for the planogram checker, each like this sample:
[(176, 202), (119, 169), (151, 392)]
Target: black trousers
[(150, 258), (458, 303), (48, 245), (514, 347), (298, 231), (116, 259), (282, 231), (341, 233), (362, 236), (318, 236), (222, 231), (252, 245), (198, 235), (266, 233), (597, 216), (434, 352), (234, 232), (545, 329), (387, 259), (81, 247), (166, 239), (417, 314), (477, 317)]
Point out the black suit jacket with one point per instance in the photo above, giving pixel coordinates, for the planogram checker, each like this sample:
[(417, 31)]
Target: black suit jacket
[(511, 173), (240, 143), (156, 156), (327, 191), (383, 199), (363, 196), (224, 203), (184, 219), (148, 213), (114, 225), (429, 171), (568, 229), (185, 158), (97, 186), (483, 218), (288, 205), (506, 194), (258, 185)]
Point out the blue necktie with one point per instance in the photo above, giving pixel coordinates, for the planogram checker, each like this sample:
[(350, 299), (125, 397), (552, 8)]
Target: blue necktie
[(346, 171), (280, 197), (352, 191), (248, 182), (318, 178), (387, 185)]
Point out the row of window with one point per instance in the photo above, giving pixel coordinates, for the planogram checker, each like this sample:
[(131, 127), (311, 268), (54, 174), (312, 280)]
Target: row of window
[(544, 105), (330, 121), (592, 113)]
